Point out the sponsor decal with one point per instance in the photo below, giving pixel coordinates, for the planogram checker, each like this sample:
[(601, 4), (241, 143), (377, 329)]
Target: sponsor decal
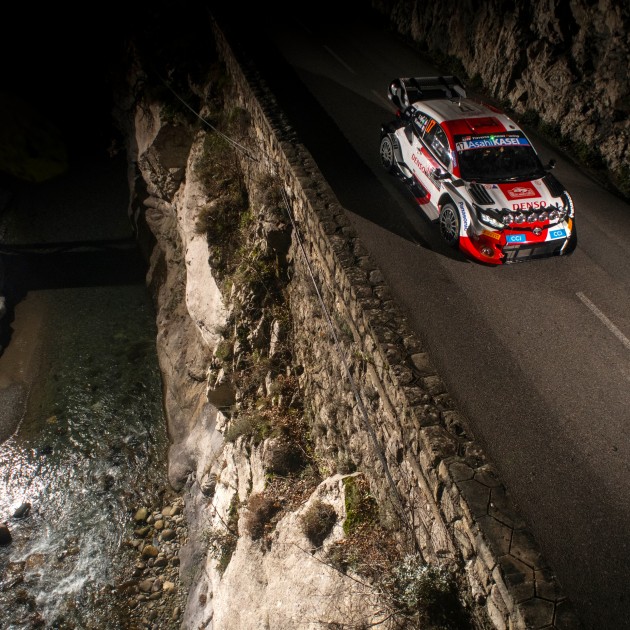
[(516, 238), (426, 170), (557, 234), (529, 205), (465, 143), (422, 121), (519, 192), (464, 214), (495, 235)]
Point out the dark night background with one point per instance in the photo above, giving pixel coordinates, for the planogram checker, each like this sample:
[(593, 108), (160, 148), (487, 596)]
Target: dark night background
[(64, 63)]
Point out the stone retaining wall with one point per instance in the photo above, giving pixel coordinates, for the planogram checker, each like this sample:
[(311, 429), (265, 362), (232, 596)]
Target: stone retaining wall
[(380, 404)]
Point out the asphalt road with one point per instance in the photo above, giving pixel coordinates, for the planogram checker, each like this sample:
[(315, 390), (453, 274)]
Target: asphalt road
[(537, 354)]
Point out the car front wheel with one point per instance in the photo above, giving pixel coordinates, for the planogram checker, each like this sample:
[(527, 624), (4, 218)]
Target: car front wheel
[(449, 224), (387, 153)]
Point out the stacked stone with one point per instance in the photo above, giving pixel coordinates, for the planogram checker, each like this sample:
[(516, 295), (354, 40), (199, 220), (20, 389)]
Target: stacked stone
[(156, 596)]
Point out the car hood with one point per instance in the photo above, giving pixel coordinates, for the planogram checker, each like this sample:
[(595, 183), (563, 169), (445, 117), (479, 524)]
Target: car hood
[(518, 196)]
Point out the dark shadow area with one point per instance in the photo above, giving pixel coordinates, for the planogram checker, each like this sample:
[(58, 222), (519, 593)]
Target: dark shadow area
[(66, 269), (351, 179), (36, 272)]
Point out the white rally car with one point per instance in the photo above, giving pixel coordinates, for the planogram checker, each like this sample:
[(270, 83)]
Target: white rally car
[(474, 171)]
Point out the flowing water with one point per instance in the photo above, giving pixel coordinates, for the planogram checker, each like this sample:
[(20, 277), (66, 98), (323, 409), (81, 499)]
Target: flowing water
[(91, 446)]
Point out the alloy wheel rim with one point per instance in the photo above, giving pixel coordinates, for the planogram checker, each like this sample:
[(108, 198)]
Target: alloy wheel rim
[(386, 152), (448, 224)]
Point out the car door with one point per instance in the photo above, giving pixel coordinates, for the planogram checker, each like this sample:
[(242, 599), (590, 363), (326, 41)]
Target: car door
[(430, 152)]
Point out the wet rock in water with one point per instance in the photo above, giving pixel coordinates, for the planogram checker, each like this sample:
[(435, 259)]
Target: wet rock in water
[(35, 562), (141, 532), (5, 534), (141, 515), (22, 511)]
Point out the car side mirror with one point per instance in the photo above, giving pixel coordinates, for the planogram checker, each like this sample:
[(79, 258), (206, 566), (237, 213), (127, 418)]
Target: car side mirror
[(438, 173), (550, 165)]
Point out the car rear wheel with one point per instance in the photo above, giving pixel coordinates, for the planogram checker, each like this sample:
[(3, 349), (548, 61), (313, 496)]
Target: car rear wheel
[(387, 153), (449, 224)]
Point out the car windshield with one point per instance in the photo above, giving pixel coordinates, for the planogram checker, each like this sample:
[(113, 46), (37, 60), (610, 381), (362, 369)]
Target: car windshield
[(507, 157)]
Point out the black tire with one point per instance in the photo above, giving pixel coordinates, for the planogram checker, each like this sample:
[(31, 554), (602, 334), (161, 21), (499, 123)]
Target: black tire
[(449, 222), (386, 151)]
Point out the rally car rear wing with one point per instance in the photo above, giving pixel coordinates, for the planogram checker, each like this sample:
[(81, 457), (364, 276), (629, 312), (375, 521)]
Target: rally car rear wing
[(406, 91)]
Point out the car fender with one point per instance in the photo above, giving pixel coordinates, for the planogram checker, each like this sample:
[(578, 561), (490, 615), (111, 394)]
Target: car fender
[(463, 207)]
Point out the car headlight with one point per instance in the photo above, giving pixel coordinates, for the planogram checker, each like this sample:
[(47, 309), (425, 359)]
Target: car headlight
[(491, 221), (520, 218), (508, 218), (531, 217), (490, 217), (543, 216), (558, 213)]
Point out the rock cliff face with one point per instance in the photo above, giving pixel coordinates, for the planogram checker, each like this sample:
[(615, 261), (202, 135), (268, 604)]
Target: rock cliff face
[(565, 62), (248, 562)]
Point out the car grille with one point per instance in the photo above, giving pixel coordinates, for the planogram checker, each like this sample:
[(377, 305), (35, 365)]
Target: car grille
[(520, 253)]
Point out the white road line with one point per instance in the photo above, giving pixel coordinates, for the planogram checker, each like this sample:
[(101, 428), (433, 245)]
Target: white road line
[(339, 59), (604, 320)]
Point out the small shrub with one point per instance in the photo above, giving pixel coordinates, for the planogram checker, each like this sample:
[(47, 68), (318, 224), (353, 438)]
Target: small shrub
[(221, 546), (427, 593), (284, 457), (224, 350), (251, 425), (361, 507), (345, 465), (318, 521), (260, 511), (270, 187)]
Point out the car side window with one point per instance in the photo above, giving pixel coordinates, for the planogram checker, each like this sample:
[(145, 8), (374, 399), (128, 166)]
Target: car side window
[(420, 123), (435, 137)]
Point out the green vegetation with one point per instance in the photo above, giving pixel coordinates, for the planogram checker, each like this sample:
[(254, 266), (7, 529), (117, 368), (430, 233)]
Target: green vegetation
[(221, 546), (361, 506), (426, 595)]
